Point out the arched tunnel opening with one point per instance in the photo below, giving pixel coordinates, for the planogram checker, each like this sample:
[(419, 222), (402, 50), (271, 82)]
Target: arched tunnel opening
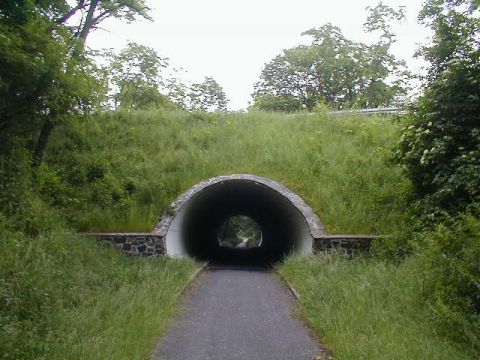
[(286, 224)]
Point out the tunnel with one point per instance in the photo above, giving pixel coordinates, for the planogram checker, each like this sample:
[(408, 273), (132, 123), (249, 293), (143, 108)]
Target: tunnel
[(193, 224)]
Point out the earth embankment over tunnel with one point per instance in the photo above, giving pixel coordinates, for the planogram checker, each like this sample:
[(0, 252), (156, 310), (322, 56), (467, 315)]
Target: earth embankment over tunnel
[(195, 224)]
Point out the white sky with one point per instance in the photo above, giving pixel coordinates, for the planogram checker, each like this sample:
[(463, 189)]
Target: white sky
[(232, 40)]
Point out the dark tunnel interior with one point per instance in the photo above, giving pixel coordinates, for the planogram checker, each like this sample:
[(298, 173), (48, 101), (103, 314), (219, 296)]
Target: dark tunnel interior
[(283, 228)]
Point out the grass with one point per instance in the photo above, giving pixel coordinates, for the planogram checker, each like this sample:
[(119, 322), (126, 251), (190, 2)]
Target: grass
[(64, 297), (368, 309), (338, 165)]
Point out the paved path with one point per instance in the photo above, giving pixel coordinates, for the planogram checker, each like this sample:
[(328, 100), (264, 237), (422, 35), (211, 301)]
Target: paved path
[(237, 314)]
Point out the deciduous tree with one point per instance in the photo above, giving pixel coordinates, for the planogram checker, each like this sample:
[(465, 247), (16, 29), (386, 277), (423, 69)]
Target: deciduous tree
[(135, 73), (337, 71), (45, 40)]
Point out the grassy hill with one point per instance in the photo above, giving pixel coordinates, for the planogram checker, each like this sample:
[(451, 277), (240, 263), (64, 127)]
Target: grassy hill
[(63, 296), (125, 168)]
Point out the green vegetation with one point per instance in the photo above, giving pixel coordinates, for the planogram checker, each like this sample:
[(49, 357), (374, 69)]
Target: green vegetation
[(427, 304), (113, 173), (334, 71), (64, 297), (240, 229), (103, 179), (439, 146), (69, 163), (371, 309)]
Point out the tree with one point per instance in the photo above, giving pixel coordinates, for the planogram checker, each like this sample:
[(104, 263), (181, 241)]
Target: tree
[(380, 63), (34, 81), (440, 147), (205, 96), (289, 76), (337, 71), (135, 73), (456, 27), (93, 12), (53, 35)]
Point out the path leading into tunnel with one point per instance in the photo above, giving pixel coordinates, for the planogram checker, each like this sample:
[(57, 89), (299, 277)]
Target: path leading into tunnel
[(237, 314)]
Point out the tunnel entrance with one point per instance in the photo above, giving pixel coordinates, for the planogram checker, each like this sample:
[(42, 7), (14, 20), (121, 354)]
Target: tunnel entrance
[(201, 223), (239, 232)]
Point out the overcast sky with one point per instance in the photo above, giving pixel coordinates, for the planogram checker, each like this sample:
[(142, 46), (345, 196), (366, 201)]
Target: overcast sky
[(232, 40)]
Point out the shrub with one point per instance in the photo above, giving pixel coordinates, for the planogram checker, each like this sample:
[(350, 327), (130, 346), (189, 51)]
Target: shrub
[(440, 148), (281, 103), (449, 260)]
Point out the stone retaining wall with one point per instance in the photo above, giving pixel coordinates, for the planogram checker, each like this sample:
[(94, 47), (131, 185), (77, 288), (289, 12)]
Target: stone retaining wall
[(348, 243), (153, 245), (138, 244)]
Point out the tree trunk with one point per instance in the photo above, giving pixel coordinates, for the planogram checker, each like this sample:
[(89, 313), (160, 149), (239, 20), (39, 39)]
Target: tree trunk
[(85, 30), (50, 123), (89, 22), (42, 142)]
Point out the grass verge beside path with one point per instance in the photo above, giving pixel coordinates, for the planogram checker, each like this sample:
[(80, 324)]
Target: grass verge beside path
[(367, 309), (64, 297)]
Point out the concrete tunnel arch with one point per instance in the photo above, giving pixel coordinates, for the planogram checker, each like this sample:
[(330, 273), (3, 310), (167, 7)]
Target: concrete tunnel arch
[(190, 226)]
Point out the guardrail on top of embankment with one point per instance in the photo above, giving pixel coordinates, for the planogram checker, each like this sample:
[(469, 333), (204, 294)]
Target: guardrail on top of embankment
[(371, 111)]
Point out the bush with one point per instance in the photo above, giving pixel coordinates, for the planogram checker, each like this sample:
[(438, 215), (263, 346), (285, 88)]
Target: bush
[(449, 260), (280, 103), (440, 148)]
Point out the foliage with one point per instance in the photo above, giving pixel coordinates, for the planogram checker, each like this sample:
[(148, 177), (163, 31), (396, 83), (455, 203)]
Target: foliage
[(439, 150), (20, 202), (335, 163), (46, 76), (364, 308), (135, 73), (205, 96), (81, 17), (440, 147), (456, 28), (336, 71), (64, 297), (278, 103), (238, 230), (451, 278), (38, 79)]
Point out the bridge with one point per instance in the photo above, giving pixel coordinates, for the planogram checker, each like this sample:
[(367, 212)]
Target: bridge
[(190, 226)]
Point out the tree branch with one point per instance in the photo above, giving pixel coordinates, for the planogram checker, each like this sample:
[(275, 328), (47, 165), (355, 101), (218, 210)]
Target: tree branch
[(69, 14)]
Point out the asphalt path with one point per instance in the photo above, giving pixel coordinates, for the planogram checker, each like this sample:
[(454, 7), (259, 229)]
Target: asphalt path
[(237, 314)]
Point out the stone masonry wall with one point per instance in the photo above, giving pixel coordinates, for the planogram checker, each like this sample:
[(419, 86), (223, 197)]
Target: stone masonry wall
[(348, 243), (153, 245), (138, 244)]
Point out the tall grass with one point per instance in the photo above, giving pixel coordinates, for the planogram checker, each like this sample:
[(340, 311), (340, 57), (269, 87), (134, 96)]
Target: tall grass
[(64, 297), (336, 164), (368, 309)]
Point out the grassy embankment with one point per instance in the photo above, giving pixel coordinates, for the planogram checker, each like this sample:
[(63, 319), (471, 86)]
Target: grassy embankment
[(370, 309), (119, 171), (338, 165)]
